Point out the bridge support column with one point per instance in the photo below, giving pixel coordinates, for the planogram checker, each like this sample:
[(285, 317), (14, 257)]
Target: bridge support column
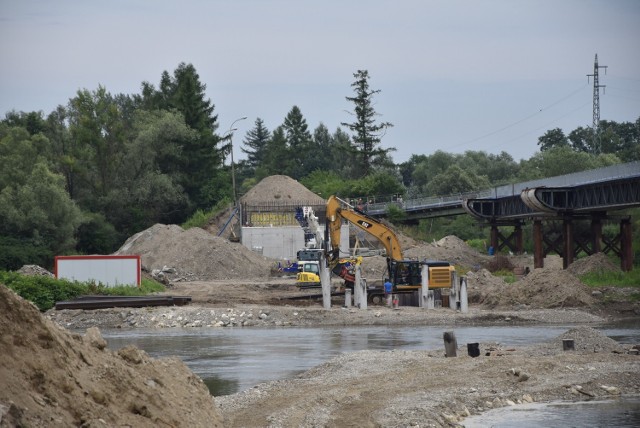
[(494, 237), (626, 253), (596, 234), (538, 249), (567, 247), (513, 241)]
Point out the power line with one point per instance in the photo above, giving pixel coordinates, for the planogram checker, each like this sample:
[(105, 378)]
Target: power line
[(522, 120)]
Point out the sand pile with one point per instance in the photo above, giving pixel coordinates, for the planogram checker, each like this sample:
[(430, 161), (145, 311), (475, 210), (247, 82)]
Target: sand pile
[(587, 339), (542, 288), (50, 377), (598, 262), (281, 188), (194, 255)]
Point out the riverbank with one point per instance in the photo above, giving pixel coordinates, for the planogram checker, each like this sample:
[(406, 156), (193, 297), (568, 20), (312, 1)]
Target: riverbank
[(425, 389)]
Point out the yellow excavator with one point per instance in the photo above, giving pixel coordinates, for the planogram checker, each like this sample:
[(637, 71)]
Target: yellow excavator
[(405, 275)]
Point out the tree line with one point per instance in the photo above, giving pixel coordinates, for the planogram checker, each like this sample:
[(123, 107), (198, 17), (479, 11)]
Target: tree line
[(93, 172)]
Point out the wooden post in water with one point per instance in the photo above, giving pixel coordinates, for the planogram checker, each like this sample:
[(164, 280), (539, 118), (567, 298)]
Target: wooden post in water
[(450, 344)]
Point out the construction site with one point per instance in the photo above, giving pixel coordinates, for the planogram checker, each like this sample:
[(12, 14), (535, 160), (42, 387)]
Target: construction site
[(235, 274)]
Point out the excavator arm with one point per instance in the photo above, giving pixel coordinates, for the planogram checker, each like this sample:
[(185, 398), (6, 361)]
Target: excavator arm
[(337, 209)]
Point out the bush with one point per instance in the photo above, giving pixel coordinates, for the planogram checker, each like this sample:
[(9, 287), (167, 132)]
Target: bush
[(45, 291)]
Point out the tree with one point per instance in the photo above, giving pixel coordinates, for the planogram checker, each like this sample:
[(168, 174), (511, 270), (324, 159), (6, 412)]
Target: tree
[(553, 138), (37, 217), (98, 134), (298, 142), (367, 132), (256, 142), (456, 180), (202, 157), (278, 158)]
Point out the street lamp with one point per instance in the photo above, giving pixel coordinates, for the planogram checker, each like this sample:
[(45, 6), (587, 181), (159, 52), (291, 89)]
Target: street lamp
[(233, 171)]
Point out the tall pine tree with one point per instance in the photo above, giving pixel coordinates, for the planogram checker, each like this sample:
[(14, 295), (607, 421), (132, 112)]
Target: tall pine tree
[(367, 132), (256, 142)]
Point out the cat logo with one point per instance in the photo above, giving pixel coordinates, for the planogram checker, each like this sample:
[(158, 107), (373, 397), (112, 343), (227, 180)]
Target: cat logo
[(364, 224)]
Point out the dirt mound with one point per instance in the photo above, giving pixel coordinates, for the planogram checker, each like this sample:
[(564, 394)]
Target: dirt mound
[(598, 262), (34, 270), (50, 377), (194, 255), (541, 289), (587, 339), (451, 249), (281, 188)]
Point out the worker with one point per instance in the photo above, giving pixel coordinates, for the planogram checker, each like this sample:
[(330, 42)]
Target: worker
[(388, 289)]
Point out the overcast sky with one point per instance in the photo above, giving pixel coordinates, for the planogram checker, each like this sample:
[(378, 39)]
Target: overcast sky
[(488, 75)]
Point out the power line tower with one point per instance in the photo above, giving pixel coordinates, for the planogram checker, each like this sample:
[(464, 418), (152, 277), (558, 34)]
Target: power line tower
[(596, 103)]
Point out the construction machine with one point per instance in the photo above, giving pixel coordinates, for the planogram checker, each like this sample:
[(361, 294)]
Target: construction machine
[(405, 275), (309, 258)]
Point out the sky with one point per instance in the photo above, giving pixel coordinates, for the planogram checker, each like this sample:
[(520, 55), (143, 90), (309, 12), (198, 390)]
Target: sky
[(491, 75)]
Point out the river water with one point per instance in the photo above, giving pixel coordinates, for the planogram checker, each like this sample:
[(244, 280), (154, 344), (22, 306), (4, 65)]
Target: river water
[(230, 360)]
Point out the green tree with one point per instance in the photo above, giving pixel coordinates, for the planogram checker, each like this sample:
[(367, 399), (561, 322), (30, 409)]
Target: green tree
[(581, 140), (553, 138), (456, 180), (299, 143), (561, 161), (99, 135), (367, 131), (278, 158), (256, 142), (201, 158)]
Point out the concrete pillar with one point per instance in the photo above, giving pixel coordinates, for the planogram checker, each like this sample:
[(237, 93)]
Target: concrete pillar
[(361, 284), (454, 292), (450, 344), (325, 283), (424, 291), (464, 302), (347, 297)]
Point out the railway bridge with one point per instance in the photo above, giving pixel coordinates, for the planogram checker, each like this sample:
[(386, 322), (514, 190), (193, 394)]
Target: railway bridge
[(567, 212)]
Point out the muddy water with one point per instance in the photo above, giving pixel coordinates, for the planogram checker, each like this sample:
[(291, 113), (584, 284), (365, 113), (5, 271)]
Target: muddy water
[(230, 360)]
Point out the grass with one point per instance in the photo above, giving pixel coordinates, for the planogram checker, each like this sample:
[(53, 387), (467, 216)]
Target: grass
[(612, 278), (507, 275)]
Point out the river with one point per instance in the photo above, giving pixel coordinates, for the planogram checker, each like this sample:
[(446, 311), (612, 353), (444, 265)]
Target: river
[(230, 360)]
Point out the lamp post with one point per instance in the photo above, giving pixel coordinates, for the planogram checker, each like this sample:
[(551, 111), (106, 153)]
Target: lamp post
[(233, 171)]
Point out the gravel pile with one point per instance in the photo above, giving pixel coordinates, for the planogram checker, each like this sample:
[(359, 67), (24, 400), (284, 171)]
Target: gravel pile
[(194, 254)]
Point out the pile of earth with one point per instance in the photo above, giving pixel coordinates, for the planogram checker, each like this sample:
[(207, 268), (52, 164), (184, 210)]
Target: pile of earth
[(51, 377), (281, 188), (194, 255), (598, 262), (542, 288), (548, 287)]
